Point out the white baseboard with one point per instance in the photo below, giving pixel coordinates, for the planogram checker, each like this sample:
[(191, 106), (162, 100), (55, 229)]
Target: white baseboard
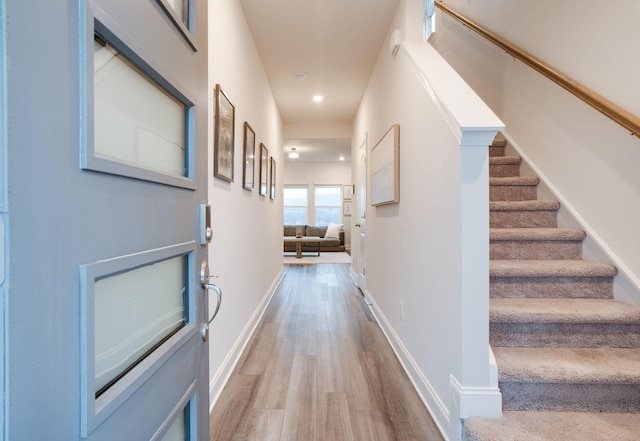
[(219, 380), (475, 401), (354, 276), (626, 285), (427, 393)]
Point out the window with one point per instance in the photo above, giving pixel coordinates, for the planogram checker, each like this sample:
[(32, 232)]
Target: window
[(328, 202), (296, 201), (429, 18)]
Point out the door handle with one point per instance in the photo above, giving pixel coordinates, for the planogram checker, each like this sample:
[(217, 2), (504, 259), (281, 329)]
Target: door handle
[(205, 282), (357, 225)]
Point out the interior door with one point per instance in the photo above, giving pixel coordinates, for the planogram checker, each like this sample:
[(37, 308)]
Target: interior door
[(361, 225), (108, 104)]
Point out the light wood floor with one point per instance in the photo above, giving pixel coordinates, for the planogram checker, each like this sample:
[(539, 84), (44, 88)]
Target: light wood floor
[(319, 369)]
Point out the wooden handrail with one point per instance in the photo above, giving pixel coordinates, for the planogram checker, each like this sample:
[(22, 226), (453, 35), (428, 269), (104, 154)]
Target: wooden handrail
[(623, 117)]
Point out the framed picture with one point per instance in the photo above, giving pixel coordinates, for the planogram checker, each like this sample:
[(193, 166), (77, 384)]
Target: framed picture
[(346, 208), (249, 154), (272, 179), (347, 192), (385, 168), (264, 170), (224, 139)]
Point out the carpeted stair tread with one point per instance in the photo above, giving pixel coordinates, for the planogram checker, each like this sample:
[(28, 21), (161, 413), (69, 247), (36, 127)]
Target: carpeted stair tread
[(534, 205), (505, 160), (550, 268), (590, 311), (529, 234), (514, 181), (554, 426), (605, 366), (498, 143), (523, 213)]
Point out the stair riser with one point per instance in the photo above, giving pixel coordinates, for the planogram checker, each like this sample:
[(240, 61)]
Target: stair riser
[(530, 250), (512, 192), (523, 219), (552, 287), (556, 335), (496, 151), (571, 397), (504, 170)]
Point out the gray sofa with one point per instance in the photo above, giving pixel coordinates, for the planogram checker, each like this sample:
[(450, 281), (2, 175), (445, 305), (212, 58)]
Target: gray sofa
[(326, 244)]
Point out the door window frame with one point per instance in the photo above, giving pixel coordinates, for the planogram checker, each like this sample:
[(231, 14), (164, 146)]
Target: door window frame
[(95, 410), (98, 22), (186, 29), (188, 402)]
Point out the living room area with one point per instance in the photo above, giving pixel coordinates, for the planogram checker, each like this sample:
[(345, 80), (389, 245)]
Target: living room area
[(317, 201)]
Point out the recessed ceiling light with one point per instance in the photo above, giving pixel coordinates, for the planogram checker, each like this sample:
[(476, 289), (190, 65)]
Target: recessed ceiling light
[(318, 98), (293, 154), (300, 76), (341, 158)]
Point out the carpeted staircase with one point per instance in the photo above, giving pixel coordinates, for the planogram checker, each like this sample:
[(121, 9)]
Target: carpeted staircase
[(568, 354)]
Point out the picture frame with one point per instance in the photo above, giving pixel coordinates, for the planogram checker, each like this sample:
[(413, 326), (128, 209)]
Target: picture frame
[(223, 146), (264, 169), (385, 168), (346, 208), (249, 155), (347, 192), (272, 179)]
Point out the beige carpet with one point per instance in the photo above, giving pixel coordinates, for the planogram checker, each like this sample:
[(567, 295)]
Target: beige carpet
[(568, 354), (309, 259)]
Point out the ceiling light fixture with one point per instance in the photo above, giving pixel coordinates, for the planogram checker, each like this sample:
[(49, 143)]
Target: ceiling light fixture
[(300, 76), (293, 154), (341, 158), (318, 98)]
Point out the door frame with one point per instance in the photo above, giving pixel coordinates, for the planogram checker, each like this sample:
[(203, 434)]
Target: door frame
[(4, 215), (362, 188)]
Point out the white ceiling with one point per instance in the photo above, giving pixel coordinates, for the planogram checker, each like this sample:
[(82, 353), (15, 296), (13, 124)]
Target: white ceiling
[(334, 43)]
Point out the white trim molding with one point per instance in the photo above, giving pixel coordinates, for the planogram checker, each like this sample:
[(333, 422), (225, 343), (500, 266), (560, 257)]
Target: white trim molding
[(475, 401), (219, 380), (433, 402)]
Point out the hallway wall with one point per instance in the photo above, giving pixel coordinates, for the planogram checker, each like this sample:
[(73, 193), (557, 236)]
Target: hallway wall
[(590, 161), (414, 248), (246, 251)]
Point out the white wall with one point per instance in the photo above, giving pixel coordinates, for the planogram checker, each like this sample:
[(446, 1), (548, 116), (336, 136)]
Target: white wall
[(321, 173), (589, 161), (246, 251), (317, 130), (414, 249)]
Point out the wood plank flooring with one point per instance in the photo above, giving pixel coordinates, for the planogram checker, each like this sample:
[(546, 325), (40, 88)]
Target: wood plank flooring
[(319, 369)]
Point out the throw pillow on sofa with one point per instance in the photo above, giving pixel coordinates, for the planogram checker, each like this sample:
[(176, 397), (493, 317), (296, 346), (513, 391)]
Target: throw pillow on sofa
[(333, 231)]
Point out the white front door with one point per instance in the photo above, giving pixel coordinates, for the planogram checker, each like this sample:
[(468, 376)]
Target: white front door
[(107, 168), (361, 225)]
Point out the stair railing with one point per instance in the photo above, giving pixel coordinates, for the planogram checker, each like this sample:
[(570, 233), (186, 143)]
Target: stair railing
[(623, 117)]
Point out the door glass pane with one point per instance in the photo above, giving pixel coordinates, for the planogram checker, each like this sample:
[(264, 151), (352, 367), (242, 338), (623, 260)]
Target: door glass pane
[(135, 121), (135, 312), (179, 428), (181, 8)]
